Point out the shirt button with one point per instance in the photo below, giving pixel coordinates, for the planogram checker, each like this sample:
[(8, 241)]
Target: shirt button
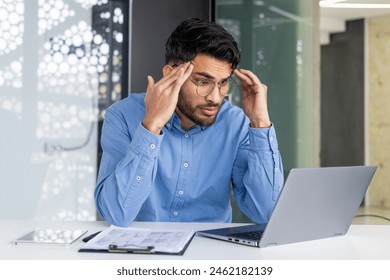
[(276, 169), (181, 192), (152, 146), (168, 125), (271, 139), (138, 178), (185, 164), (186, 135), (175, 213)]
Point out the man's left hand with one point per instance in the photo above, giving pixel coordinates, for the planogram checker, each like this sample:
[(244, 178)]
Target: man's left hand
[(254, 98)]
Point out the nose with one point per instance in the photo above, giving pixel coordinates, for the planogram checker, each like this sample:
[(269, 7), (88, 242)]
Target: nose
[(214, 95)]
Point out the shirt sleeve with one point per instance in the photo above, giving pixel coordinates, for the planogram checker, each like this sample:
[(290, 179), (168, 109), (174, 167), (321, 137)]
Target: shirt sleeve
[(127, 170), (258, 174)]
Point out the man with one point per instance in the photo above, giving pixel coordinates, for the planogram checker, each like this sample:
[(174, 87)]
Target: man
[(174, 153)]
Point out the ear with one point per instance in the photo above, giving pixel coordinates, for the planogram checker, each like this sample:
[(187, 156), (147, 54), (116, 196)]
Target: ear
[(167, 69)]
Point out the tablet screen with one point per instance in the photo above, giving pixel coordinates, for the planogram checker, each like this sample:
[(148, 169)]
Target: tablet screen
[(51, 236)]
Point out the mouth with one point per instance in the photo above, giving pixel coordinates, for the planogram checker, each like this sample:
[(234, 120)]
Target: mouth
[(210, 111)]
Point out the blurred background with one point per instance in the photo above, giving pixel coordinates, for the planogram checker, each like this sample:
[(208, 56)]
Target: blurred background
[(63, 62)]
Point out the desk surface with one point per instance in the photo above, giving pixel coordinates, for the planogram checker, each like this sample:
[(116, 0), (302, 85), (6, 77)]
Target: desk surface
[(368, 242)]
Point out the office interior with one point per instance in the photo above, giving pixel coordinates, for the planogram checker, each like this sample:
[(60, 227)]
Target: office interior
[(64, 62)]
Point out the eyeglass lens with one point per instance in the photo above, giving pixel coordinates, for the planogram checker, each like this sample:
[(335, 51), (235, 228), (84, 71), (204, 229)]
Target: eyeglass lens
[(226, 88)]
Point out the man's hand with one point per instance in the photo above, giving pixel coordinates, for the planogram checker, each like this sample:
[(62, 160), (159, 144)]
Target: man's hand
[(254, 98), (162, 96)]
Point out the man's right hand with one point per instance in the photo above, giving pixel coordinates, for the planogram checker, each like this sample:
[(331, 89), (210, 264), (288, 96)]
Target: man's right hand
[(162, 96)]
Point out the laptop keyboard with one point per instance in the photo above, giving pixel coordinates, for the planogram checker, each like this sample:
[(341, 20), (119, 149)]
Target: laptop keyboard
[(251, 235)]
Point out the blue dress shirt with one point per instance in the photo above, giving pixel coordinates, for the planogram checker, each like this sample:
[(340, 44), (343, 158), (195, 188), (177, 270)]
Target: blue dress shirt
[(185, 176)]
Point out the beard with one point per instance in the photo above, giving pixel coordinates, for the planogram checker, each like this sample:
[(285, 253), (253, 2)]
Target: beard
[(190, 111)]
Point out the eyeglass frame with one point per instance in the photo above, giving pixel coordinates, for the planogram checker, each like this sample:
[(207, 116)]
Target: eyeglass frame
[(218, 84)]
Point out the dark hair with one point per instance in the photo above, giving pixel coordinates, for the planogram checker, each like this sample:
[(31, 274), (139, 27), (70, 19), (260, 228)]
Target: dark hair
[(193, 36)]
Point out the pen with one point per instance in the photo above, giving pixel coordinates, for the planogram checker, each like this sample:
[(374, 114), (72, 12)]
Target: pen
[(89, 237)]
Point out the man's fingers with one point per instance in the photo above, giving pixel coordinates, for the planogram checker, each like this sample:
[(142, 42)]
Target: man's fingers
[(243, 78), (167, 80), (250, 81), (150, 85), (175, 78), (150, 82), (247, 76), (182, 73), (170, 79), (188, 70)]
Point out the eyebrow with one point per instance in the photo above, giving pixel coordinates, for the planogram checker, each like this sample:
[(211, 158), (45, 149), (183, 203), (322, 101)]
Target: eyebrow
[(208, 76)]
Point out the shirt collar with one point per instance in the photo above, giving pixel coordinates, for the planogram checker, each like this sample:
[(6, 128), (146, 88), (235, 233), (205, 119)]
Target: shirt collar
[(175, 122)]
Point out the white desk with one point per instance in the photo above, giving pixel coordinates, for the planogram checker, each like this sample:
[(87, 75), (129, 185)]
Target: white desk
[(367, 242)]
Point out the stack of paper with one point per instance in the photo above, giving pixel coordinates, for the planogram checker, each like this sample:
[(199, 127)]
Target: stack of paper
[(139, 240)]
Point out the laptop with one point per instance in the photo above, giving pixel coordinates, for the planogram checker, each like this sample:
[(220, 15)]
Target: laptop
[(315, 203)]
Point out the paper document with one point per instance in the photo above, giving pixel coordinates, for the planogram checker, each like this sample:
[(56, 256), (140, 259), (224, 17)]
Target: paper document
[(160, 241)]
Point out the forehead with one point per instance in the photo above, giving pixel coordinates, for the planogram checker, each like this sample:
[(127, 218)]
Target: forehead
[(213, 67)]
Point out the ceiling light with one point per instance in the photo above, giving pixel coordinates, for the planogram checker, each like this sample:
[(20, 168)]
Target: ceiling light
[(332, 1), (333, 4)]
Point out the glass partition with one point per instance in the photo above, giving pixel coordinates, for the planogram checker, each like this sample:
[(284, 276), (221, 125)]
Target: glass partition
[(278, 42), (58, 69)]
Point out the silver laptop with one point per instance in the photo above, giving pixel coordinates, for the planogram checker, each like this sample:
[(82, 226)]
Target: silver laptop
[(315, 203)]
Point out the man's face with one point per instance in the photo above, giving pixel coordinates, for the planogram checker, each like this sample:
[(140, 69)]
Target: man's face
[(193, 109)]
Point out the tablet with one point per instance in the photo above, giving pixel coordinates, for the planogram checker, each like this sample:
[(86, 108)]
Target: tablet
[(51, 236)]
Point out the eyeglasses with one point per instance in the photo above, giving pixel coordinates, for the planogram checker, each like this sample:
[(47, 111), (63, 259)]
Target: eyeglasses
[(205, 86)]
